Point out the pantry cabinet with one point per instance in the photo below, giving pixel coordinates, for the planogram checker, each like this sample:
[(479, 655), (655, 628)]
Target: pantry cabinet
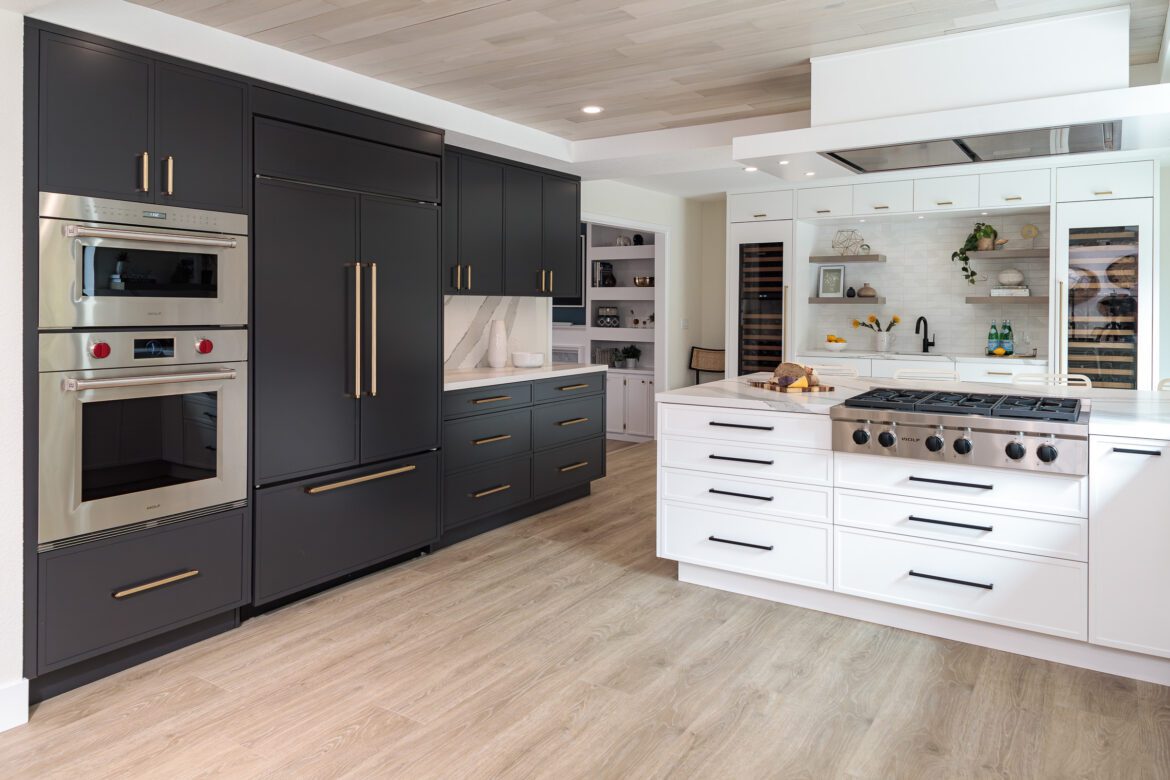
[(629, 403)]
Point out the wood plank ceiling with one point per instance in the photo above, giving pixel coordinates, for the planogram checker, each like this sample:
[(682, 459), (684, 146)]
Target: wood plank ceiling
[(652, 64)]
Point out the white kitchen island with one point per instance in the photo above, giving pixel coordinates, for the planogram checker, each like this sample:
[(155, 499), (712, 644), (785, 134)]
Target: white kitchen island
[(752, 499)]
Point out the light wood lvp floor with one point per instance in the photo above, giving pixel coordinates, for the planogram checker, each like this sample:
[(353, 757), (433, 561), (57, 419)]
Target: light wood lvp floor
[(562, 647)]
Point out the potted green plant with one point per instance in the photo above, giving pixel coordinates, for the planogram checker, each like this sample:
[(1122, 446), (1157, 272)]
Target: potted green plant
[(981, 239), (630, 356)]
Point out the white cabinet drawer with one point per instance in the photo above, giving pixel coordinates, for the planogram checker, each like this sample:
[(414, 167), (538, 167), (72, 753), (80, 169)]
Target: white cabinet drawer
[(886, 369), (1105, 182), (759, 206), (747, 425), (1004, 371), (744, 460), (824, 202), (863, 365), (740, 494), (1037, 594), (1035, 534), (989, 487), (946, 192), (1015, 188), (884, 197), (788, 550)]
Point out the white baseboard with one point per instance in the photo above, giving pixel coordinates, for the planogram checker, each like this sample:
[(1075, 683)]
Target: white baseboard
[(1049, 648), (14, 704)]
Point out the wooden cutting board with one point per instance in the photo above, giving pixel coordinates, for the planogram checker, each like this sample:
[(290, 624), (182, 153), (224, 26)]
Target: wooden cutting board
[(780, 389)]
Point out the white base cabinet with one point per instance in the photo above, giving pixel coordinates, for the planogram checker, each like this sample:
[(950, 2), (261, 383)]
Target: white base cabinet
[(629, 404)]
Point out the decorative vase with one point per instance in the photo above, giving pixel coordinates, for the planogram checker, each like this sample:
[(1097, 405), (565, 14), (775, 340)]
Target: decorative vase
[(985, 244), (866, 291), (851, 293), (1011, 277), (883, 341), (631, 363), (497, 345)]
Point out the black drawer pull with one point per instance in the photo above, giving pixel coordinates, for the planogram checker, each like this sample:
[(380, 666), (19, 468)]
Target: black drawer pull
[(1128, 451), (741, 544), (491, 439), (121, 594), (739, 495), (209, 447), (984, 585), (573, 466), (952, 483), (492, 400), (742, 460), (491, 491), (745, 427), (987, 528)]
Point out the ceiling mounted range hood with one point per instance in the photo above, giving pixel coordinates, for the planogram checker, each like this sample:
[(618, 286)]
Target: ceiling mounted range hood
[(1012, 145)]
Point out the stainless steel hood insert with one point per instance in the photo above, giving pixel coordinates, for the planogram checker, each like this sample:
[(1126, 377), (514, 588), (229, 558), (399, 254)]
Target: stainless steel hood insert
[(1014, 145)]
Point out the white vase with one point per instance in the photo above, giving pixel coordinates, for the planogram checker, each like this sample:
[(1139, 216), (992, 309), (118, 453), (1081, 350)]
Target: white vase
[(883, 341), (497, 345)]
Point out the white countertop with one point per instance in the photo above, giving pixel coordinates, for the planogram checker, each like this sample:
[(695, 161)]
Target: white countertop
[(465, 378), (1141, 414), (932, 357)]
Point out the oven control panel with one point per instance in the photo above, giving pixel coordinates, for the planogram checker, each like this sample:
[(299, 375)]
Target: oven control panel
[(76, 351)]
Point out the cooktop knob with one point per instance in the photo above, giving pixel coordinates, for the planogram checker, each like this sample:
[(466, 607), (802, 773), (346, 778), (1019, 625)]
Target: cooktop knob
[(887, 439), (861, 436), (1046, 453), (963, 446), (934, 443), (1015, 450)]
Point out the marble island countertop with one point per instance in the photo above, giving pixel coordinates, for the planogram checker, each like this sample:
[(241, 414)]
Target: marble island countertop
[(1141, 414), (466, 378), (932, 357)]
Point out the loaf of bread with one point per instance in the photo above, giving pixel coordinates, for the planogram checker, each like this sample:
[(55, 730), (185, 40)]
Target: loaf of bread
[(795, 375)]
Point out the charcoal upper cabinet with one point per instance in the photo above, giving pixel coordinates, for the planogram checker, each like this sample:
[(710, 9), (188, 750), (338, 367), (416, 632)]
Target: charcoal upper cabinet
[(481, 214), (117, 125), (561, 223), (524, 274)]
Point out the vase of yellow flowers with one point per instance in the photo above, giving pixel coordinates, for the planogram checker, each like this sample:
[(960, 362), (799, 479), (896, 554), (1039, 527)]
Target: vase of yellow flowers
[(883, 340)]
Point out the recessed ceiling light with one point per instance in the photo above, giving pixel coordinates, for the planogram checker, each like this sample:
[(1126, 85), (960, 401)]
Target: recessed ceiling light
[(750, 169), (984, 214), (861, 220), (810, 173), (592, 109), (783, 162), (921, 217)]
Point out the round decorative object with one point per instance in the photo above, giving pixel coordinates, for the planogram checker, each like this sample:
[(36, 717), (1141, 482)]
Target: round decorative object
[(851, 293), (1123, 271), (1011, 277), (623, 241), (866, 291), (638, 240), (1029, 231), (847, 242), (864, 249), (835, 346), (643, 281)]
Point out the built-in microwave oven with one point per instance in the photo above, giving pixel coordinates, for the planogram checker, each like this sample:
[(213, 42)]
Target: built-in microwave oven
[(114, 264)]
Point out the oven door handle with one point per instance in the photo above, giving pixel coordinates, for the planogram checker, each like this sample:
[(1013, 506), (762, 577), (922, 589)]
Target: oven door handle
[(84, 231), (77, 385)]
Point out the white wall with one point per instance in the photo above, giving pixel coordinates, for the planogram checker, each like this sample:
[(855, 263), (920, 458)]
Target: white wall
[(713, 260), (13, 689)]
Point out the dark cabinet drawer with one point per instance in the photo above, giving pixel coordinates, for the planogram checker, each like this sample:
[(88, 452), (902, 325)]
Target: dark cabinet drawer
[(560, 423), (481, 400), (569, 466), (484, 491), (568, 387), (477, 440), (313, 531), (108, 594)]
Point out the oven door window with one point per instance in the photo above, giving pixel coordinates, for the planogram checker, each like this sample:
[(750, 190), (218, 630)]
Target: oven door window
[(140, 444), (149, 273)]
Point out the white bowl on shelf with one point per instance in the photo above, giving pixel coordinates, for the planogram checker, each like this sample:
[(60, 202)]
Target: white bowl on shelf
[(835, 346), (527, 359)]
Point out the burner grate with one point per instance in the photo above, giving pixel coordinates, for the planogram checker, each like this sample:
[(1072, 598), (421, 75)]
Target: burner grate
[(986, 404)]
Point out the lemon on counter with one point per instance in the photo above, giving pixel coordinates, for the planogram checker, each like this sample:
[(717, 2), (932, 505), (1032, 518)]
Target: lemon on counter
[(999, 351)]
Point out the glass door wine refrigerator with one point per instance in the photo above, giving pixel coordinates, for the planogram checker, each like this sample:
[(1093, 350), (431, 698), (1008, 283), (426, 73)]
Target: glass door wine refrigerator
[(757, 296), (1104, 291)]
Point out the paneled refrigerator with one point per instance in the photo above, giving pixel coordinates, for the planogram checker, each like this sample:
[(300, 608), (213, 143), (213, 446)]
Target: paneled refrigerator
[(757, 292)]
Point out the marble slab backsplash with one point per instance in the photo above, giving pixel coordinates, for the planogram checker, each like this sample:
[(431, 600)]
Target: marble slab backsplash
[(468, 318), (919, 279)]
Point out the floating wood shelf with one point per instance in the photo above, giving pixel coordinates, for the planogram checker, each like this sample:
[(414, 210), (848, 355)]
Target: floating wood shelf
[(858, 299), (1041, 253), (1007, 299), (623, 293), (847, 259), (645, 335)]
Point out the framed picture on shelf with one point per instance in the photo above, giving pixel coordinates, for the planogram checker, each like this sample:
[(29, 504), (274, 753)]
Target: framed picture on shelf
[(831, 281)]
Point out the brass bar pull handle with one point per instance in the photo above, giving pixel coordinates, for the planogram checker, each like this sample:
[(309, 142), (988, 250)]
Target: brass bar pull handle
[(492, 439), (574, 466), (759, 216), (121, 594), (999, 373), (469, 277), (83, 231), (543, 274), (357, 330), (551, 285), (492, 400), (170, 190), (581, 386), (145, 172), (458, 276), (1103, 192), (491, 491), (1013, 197), (824, 211), (373, 330), (312, 491), (944, 203), (574, 421), (879, 208)]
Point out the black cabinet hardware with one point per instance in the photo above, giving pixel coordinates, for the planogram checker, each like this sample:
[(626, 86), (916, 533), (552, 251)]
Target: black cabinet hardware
[(741, 544), (745, 427), (1129, 451), (952, 483), (984, 585), (740, 495), (987, 528), (742, 460)]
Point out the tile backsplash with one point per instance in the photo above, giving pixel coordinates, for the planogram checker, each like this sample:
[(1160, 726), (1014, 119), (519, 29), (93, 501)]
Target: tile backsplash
[(467, 320), (919, 279)]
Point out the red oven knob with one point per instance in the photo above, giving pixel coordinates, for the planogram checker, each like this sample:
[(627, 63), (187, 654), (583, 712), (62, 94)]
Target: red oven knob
[(100, 350), (204, 346)]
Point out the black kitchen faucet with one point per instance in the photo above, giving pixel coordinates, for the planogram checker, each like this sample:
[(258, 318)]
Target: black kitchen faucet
[(927, 342)]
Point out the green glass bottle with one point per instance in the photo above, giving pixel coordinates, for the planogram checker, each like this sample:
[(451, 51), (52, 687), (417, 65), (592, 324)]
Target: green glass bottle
[(1007, 339), (992, 338)]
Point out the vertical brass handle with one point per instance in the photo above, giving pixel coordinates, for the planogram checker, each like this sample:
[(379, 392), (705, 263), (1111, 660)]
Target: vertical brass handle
[(357, 330), (121, 594), (170, 190), (146, 171), (551, 286), (542, 275), (1061, 344), (373, 329), (469, 277), (458, 276)]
